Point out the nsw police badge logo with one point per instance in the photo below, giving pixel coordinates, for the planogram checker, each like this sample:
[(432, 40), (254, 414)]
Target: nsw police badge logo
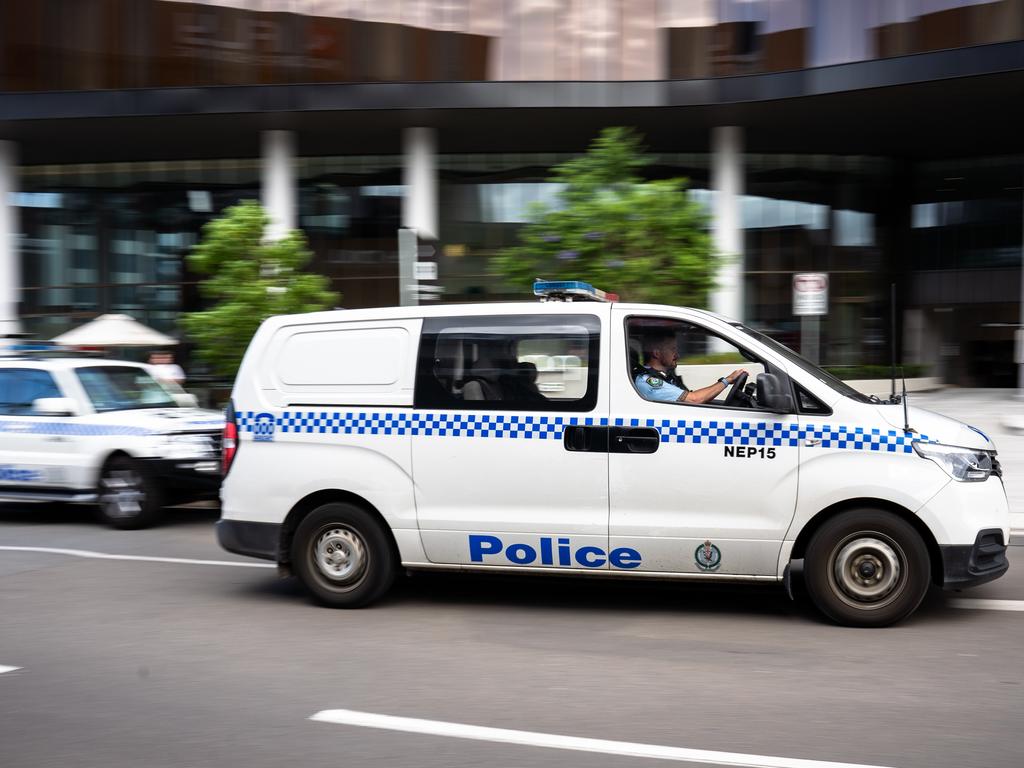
[(708, 556), (263, 428)]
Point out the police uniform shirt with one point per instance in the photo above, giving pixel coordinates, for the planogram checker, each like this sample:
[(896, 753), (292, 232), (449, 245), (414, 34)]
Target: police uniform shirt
[(655, 385)]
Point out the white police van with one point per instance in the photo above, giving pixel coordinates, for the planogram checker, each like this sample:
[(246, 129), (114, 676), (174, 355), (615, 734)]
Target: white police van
[(103, 432), (524, 437)]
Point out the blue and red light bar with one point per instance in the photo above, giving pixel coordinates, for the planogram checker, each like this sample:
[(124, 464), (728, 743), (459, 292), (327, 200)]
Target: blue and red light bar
[(571, 290)]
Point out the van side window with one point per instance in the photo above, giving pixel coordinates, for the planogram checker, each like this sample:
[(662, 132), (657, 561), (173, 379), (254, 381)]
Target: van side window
[(509, 362), (808, 403), (668, 359)]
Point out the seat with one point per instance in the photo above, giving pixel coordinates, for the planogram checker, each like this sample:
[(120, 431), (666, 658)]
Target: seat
[(483, 381)]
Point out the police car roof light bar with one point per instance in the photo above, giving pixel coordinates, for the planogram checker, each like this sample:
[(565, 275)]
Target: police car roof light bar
[(570, 290)]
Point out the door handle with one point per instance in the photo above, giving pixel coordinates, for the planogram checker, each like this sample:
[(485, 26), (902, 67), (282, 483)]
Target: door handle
[(812, 441), (635, 440), (585, 439)]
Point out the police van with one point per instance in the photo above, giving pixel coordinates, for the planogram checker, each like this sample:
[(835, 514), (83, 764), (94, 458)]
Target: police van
[(594, 437), (103, 432)]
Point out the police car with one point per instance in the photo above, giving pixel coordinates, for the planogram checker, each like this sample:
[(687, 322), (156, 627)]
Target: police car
[(537, 438), (103, 432)]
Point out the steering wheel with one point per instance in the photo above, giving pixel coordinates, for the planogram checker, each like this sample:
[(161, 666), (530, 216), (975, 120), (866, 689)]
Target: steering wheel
[(737, 389)]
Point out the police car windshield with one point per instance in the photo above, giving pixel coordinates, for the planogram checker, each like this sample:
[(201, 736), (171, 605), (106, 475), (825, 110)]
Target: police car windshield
[(122, 388), (803, 363)]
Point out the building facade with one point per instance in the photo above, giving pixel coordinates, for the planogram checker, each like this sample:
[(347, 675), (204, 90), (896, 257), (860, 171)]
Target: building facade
[(877, 141)]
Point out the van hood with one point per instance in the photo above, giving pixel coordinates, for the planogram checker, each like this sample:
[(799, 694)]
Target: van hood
[(163, 420), (937, 428)]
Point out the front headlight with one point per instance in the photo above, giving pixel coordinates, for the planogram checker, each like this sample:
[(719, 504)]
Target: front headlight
[(186, 447), (968, 465)]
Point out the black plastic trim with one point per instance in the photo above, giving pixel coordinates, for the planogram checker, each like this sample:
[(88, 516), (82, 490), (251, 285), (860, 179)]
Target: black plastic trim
[(968, 565), (242, 537), (181, 481)]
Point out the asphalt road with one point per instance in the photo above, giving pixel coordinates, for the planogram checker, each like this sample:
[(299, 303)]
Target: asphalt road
[(154, 663)]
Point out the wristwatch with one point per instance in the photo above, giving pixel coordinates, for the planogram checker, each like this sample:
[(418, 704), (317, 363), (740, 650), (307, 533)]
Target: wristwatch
[(723, 381)]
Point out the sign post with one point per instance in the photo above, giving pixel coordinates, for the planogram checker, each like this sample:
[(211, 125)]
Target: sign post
[(810, 301)]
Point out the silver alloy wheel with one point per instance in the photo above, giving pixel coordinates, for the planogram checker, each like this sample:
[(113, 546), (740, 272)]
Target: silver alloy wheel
[(340, 555), (867, 570), (122, 494)]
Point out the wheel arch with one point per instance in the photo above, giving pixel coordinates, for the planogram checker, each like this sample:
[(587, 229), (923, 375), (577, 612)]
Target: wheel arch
[(316, 499), (116, 453), (812, 525)]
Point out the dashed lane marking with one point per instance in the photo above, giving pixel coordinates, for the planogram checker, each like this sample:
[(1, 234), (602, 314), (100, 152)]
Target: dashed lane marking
[(985, 604), (7, 669), (555, 741), (142, 558)]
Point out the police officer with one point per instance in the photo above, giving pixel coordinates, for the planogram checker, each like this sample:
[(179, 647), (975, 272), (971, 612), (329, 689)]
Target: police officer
[(656, 378)]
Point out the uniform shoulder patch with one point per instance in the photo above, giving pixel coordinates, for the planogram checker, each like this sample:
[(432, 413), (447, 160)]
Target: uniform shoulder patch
[(654, 381)]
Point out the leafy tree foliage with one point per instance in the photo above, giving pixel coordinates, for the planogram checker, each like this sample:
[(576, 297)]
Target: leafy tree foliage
[(645, 240), (249, 279)]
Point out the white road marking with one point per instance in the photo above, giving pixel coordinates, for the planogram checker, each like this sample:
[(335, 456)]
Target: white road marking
[(555, 741), (7, 669), (143, 558), (986, 604)]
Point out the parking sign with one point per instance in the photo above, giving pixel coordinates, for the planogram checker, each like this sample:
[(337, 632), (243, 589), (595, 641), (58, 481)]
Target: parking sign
[(810, 293)]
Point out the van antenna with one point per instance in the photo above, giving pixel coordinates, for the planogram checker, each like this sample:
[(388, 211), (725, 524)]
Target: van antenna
[(892, 340), (906, 416)]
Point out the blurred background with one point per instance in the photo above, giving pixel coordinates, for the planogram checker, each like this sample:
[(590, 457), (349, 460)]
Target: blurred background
[(875, 141)]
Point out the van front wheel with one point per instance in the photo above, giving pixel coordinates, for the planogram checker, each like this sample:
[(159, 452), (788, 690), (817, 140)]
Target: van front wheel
[(866, 568), (343, 556)]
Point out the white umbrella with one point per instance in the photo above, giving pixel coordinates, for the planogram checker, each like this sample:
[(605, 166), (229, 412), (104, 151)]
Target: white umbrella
[(114, 331)]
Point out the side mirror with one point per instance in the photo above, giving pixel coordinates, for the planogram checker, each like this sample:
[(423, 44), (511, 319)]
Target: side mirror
[(772, 395), (54, 406), (185, 399)]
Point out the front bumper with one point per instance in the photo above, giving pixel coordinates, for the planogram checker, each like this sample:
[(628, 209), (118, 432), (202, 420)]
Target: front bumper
[(262, 540), (969, 565), (181, 479)]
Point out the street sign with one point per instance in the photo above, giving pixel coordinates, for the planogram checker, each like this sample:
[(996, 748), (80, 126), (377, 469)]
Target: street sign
[(810, 293)]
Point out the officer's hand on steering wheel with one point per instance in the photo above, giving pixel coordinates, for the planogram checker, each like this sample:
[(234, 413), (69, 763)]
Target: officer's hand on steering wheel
[(737, 379)]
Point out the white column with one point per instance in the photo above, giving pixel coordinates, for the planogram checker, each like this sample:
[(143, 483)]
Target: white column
[(10, 264), (419, 175), (727, 226), (278, 186)]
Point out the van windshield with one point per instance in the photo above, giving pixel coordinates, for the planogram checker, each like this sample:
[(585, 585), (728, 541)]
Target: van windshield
[(804, 364), (123, 388)]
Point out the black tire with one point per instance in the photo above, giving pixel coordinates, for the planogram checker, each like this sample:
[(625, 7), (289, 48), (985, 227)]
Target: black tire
[(127, 496), (866, 568), (343, 556)]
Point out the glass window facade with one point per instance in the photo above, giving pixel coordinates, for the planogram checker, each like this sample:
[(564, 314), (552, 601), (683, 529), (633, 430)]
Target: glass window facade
[(113, 237), (112, 44), (351, 209), (965, 251)]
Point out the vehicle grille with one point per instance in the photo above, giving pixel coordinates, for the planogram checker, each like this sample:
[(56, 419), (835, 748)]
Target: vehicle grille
[(997, 468)]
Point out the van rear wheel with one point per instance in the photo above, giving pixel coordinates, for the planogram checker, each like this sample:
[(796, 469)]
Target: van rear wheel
[(343, 556), (866, 568)]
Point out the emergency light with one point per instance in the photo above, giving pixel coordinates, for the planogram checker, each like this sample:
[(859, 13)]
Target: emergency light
[(570, 290)]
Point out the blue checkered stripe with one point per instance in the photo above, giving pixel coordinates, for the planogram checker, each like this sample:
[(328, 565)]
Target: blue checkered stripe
[(412, 423), (699, 432), (763, 433), (48, 427)]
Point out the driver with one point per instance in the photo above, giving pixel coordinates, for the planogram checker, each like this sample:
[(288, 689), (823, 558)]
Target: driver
[(656, 378)]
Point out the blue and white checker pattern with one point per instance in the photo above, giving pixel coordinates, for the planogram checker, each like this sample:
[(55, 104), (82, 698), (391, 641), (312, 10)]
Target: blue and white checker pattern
[(698, 432), (64, 429)]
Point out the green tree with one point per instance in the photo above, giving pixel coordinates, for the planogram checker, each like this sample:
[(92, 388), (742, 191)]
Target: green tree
[(645, 240), (249, 279)]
